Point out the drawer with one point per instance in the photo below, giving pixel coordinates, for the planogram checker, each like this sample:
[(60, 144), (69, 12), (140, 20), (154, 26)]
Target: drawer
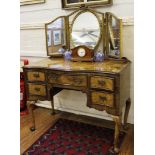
[(37, 89), (36, 97), (72, 80), (35, 76), (102, 82), (102, 98)]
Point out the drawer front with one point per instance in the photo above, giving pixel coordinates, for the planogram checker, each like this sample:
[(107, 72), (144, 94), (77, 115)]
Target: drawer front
[(35, 76), (35, 98), (102, 98), (101, 82), (37, 89), (72, 80)]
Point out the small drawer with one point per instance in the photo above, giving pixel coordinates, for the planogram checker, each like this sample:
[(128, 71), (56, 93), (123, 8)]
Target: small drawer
[(102, 98), (101, 82), (37, 89), (35, 76), (71, 80)]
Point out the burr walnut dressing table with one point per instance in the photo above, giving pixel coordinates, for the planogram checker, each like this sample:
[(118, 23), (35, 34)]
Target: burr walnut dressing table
[(106, 84)]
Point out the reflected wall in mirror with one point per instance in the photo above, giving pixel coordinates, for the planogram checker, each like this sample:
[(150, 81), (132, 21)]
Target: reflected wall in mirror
[(114, 27), (55, 36), (85, 30)]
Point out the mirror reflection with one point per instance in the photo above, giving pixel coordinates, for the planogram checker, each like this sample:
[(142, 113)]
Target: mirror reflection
[(55, 34), (85, 30), (114, 36)]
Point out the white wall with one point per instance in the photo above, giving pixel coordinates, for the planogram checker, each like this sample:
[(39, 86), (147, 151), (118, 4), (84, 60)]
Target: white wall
[(33, 47)]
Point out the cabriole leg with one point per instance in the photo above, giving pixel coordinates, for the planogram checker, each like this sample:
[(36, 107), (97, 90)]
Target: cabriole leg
[(31, 107), (127, 108), (117, 120)]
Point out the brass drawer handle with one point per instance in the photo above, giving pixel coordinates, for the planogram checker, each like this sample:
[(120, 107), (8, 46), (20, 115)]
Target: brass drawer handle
[(54, 77), (36, 75), (77, 80), (101, 82), (37, 89), (103, 98)]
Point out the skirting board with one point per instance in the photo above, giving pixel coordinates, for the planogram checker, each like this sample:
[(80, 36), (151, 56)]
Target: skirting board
[(46, 105), (104, 116)]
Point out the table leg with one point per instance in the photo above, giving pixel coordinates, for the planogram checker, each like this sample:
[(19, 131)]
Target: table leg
[(117, 120), (127, 108), (31, 107), (52, 101)]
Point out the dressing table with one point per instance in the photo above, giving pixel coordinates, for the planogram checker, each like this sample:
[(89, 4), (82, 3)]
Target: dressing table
[(105, 83)]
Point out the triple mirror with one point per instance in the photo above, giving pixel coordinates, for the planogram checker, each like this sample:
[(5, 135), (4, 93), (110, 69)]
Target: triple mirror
[(96, 30)]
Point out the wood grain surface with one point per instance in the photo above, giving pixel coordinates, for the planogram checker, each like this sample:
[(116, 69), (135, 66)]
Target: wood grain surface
[(107, 66), (102, 82), (35, 76), (102, 98), (37, 89)]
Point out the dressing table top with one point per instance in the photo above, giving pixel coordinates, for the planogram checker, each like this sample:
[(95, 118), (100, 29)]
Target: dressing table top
[(107, 66)]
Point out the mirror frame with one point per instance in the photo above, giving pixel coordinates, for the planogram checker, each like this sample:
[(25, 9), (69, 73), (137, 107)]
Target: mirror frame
[(108, 33), (56, 54), (104, 32), (99, 22)]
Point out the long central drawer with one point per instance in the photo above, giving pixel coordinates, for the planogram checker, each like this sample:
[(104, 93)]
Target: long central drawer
[(67, 79)]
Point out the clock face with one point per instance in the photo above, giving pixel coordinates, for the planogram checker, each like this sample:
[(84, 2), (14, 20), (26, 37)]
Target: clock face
[(81, 52)]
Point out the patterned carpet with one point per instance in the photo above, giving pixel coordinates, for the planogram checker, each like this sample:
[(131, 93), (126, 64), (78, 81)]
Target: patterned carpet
[(68, 137)]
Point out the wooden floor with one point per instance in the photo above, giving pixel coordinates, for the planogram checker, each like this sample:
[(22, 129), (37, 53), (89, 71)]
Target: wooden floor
[(44, 120)]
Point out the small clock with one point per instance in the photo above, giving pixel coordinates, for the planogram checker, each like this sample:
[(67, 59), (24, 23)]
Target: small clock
[(82, 53)]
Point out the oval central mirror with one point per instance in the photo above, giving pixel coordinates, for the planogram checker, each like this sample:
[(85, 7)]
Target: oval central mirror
[(85, 30)]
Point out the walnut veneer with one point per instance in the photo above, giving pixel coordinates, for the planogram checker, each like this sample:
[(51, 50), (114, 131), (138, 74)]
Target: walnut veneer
[(106, 84)]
